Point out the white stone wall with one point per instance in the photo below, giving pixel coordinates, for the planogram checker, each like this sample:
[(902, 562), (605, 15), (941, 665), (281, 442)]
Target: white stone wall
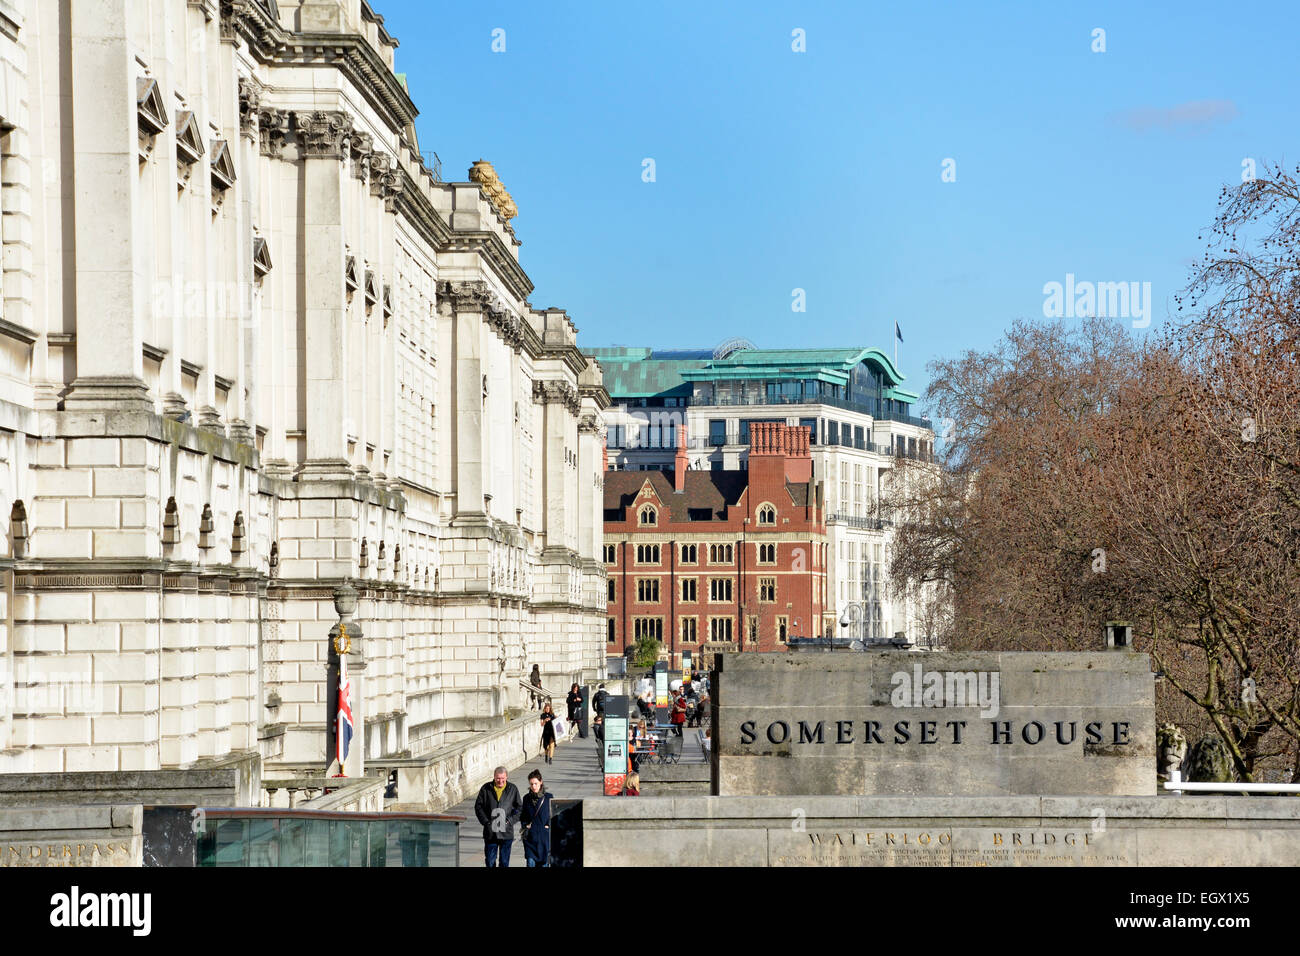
[(210, 429)]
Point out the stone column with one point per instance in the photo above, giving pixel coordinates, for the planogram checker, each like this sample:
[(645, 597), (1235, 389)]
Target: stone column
[(323, 142), (110, 365), (561, 401), (468, 301)]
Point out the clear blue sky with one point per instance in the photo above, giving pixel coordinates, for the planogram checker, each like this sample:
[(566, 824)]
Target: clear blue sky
[(821, 170)]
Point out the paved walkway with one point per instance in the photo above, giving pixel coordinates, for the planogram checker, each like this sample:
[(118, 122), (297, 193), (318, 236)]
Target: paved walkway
[(575, 775)]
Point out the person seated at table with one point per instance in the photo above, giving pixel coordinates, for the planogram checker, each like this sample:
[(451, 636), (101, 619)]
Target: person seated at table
[(632, 787)]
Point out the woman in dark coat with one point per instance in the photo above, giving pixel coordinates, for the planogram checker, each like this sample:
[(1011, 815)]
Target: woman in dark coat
[(574, 700), (548, 731), (535, 818)]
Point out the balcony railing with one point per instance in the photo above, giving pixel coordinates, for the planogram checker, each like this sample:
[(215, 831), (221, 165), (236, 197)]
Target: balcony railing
[(865, 408), (856, 521)]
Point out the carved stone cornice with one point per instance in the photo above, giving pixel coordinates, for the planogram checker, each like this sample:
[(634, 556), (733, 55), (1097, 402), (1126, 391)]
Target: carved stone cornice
[(508, 325), (589, 424), (250, 99), (416, 208), (467, 296), (323, 134), (597, 393), (350, 53), (273, 130), (491, 247), (552, 393)]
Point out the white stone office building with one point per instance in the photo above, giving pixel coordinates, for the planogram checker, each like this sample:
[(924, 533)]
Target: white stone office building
[(860, 420), (254, 346)]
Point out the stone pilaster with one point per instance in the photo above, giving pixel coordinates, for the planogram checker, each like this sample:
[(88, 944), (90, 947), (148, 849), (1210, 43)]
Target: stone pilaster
[(323, 141)]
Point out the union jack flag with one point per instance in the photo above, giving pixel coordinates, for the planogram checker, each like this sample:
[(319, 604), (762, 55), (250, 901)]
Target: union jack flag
[(343, 737)]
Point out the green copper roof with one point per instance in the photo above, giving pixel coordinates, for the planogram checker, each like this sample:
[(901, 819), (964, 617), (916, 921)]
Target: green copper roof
[(631, 373), (637, 372)]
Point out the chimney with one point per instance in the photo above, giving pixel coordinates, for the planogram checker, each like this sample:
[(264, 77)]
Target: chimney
[(680, 463), (798, 460)]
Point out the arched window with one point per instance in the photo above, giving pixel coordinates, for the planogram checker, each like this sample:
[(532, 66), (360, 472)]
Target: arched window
[(767, 515), (649, 516)]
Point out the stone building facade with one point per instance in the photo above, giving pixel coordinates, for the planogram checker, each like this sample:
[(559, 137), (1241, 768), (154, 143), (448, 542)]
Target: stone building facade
[(254, 346), (715, 561), (861, 427)]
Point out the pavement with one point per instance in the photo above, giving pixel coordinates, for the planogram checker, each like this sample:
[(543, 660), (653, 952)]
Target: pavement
[(575, 775)]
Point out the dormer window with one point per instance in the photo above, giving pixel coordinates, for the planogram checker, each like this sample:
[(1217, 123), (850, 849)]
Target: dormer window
[(767, 515), (649, 516)]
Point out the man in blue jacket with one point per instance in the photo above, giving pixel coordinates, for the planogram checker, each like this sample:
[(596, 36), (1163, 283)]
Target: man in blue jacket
[(497, 808)]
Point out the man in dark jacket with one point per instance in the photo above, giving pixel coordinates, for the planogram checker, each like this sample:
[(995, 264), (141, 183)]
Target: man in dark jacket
[(497, 808), (599, 701)]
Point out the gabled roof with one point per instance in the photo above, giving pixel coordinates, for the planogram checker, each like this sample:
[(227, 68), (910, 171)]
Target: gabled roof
[(705, 490), (189, 143), (223, 165)]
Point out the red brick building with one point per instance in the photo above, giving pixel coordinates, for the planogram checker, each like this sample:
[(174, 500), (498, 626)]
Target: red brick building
[(712, 560)]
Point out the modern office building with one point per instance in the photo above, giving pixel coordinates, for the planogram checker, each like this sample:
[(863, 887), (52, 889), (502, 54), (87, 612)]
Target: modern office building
[(860, 423)]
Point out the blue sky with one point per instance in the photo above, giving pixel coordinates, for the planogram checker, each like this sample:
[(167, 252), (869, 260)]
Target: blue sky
[(821, 170)]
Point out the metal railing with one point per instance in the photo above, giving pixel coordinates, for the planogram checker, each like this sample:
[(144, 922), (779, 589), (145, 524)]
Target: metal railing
[(1176, 784), (866, 408), (856, 521)]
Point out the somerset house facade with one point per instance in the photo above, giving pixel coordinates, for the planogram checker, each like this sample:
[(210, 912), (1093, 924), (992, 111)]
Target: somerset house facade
[(255, 347)]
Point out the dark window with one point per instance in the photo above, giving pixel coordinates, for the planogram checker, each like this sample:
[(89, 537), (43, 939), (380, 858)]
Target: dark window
[(832, 432), (811, 425), (717, 432), (857, 437)]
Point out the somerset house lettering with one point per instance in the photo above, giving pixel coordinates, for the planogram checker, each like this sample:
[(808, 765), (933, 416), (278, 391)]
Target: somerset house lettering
[(999, 732), (956, 724)]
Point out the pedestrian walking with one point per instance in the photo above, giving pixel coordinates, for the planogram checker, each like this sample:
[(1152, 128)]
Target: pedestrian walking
[(548, 730), (535, 817), (678, 713), (574, 702), (535, 678), (497, 808), (599, 701)]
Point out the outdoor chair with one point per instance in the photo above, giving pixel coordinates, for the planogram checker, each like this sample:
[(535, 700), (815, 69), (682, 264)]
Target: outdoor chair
[(671, 751)]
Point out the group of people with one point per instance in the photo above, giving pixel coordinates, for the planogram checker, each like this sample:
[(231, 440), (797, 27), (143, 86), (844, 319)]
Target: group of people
[(548, 717), (499, 808)]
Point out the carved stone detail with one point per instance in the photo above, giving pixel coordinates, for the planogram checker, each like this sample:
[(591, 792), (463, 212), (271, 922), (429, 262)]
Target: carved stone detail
[(323, 133), (273, 129), (547, 393), (379, 166), (589, 424), (471, 296), (361, 153), (250, 100)]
